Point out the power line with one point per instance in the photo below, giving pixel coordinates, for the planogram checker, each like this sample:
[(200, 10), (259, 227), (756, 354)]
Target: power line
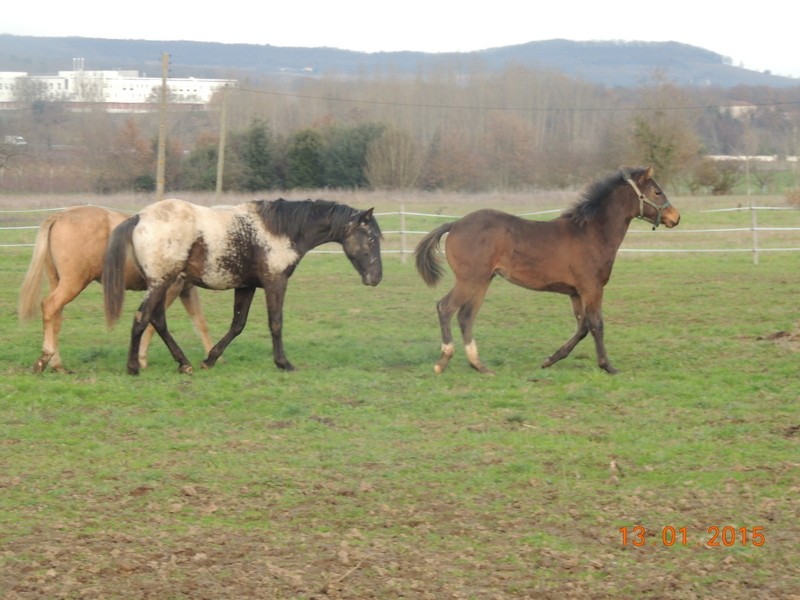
[(531, 109), (490, 108)]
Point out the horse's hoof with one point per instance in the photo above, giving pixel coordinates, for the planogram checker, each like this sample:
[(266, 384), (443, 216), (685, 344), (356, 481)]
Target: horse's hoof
[(607, 368), (482, 369), (209, 361), (441, 365), (185, 369), (133, 371), (39, 365)]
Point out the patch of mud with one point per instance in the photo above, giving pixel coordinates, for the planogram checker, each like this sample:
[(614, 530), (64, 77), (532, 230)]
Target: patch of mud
[(784, 339)]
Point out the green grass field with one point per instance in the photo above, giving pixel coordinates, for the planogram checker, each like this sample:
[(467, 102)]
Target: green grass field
[(364, 475)]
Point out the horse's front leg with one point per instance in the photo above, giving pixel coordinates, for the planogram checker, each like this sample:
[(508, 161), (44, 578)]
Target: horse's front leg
[(580, 333), (242, 299), (595, 319), (275, 292)]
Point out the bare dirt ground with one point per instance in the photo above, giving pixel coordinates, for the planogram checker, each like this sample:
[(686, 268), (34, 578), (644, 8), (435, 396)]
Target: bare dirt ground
[(426, 551)]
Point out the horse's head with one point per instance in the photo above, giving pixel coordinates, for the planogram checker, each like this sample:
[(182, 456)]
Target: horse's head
[(654, 207), (362, 245)]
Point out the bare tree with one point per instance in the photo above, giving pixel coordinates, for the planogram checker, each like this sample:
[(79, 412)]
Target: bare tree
[(393, 160), (661, 134)]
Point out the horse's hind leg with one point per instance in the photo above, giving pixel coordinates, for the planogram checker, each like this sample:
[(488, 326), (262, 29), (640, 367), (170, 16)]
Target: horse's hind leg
[(51, 320), (51, 344), (580, 333), (152, 311), (52, 316), (466, 301), (445, 308), (189, 301), (144, 345), (466, 319), (140, 341)]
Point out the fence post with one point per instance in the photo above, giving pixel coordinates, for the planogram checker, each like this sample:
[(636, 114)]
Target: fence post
[(754, 227), (403, 233)]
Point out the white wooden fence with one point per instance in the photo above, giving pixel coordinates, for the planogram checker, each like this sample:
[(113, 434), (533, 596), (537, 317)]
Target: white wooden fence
[(749, 232), (18, 229)]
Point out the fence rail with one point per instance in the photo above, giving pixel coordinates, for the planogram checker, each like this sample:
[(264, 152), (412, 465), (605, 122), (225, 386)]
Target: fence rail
[(401, 235)]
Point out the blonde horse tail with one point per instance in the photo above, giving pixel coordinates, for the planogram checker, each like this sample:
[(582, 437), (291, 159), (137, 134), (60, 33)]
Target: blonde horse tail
[(429, 265), (114, 269), (30, 292)]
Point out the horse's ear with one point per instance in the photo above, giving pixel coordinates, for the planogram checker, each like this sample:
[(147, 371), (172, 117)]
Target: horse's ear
[(366, 216), (645, 175)]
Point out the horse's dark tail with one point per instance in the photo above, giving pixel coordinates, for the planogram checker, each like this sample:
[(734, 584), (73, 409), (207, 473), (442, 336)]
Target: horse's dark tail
[(114, 268), (429, 265)]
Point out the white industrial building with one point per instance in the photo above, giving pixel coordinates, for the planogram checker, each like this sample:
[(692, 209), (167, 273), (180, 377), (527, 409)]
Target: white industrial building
[(118, 89)]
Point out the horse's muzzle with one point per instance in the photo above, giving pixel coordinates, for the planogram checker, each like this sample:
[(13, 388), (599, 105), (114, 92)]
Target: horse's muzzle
[(670, 217), (372, 279)]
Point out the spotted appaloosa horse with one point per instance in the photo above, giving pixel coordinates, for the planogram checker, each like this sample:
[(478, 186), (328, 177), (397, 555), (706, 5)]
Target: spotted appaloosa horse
[(253, 245), (70, 246), (572, 254)]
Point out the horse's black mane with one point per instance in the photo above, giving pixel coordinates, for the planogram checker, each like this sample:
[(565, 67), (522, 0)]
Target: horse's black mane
[(293, 218), (591, 201)]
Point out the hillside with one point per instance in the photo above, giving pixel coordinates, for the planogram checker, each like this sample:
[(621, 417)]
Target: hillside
[(609, 63)]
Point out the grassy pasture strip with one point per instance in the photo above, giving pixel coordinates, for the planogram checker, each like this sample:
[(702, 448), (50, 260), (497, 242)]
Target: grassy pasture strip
[(364, 475)]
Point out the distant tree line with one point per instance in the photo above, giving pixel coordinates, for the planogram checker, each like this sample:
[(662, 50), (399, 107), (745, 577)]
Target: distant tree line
[(333, 156), (520, 129)]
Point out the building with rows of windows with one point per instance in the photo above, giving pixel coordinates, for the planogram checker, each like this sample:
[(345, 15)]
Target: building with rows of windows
[(118, 90)]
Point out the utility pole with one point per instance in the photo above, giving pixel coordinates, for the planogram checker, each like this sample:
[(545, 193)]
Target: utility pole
[(223, 127), (162, 129)]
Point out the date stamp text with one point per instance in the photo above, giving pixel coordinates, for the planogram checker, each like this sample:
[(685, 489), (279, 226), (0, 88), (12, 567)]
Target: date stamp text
[(714, 537)]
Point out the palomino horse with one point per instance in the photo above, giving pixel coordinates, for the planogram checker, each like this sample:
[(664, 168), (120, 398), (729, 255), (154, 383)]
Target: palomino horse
[(572, 254), (253, 245), (70, 246)]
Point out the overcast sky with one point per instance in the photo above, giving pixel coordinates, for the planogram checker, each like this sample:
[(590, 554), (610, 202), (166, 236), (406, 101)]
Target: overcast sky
[(759, 36)]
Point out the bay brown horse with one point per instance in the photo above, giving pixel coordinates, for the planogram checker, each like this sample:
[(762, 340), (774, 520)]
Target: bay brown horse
[(252, 245), (572, 254), (69, 247)]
